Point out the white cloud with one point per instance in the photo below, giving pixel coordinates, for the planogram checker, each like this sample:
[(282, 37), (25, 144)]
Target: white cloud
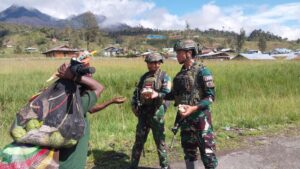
[(284, 31), (119, 10), (276, 20), (159, 18)]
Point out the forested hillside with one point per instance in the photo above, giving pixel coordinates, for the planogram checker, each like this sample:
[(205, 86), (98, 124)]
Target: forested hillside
[(14, 39)]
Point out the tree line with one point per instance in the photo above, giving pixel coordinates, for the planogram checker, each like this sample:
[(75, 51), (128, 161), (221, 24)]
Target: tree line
[(89, 35)]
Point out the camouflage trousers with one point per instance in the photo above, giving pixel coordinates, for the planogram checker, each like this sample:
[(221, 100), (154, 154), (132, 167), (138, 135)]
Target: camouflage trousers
[(197, 132), (150, 120)]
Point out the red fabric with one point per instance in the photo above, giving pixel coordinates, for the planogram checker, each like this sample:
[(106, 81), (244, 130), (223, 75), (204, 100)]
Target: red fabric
[(24, 164)]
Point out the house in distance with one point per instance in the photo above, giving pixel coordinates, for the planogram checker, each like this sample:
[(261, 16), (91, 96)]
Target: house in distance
[(61, 51)]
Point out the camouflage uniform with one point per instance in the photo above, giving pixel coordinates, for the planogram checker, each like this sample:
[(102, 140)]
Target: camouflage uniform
[(194, 86), (151, 116)]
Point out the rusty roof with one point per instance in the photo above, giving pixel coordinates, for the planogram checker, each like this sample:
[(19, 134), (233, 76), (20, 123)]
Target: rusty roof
[(62, 48)]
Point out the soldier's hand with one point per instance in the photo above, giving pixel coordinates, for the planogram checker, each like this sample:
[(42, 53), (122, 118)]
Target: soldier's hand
[(154, 95), (135, 111), (188, 110), (147, 93)]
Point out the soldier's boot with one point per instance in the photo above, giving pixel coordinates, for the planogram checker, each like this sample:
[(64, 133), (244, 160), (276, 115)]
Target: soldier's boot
[(192, 164)]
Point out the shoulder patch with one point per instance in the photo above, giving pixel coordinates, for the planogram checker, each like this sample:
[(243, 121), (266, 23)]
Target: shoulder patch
[(205, 71), (207, 78), (209, 84)]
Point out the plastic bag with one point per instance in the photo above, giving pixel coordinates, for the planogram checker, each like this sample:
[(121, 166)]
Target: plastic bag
[(19, 156), (54, 118)]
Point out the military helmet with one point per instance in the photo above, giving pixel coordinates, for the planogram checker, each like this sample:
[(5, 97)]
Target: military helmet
[(154, 57), (187, 45)]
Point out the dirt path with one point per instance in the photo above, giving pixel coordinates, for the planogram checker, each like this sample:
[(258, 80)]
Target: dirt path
[(276, 152)]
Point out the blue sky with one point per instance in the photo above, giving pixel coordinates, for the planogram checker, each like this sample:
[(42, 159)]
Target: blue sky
[(181, 7), (280, 17)]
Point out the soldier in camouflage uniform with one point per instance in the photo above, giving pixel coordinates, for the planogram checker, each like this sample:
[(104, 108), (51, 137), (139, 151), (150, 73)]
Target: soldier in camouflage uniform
[(193, 91), (147, 105)]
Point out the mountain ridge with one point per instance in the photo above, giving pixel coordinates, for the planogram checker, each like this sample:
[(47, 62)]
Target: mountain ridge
[(33, 17)]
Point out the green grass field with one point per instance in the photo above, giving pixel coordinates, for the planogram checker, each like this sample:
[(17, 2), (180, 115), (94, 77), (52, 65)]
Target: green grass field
[(250, 95)]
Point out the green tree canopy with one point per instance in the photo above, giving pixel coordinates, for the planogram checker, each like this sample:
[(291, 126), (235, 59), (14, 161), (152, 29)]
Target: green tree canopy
[(240, 40), (262, 44)]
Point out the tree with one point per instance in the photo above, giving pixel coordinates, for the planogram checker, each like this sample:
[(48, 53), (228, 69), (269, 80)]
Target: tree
[(262, 44), (210, 41), (74, 38), (91, 28), (74, 41), (187, 30), (187, 25), (256, 34), (240, 40), (41, 40), (1, 42), (67, 33), (18, 49), (230, 42)]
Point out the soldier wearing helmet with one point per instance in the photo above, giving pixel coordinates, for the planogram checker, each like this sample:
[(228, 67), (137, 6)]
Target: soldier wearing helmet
[(194, 91), (154, 57), (147, 105), (187, 45)]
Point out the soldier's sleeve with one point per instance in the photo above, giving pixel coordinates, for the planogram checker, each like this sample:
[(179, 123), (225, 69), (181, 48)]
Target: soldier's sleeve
[(134, 98), (166, 86), (207, 85), (170, 96)]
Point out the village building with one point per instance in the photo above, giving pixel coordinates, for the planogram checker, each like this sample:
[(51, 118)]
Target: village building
[(281, 51), (284, 56), (227, 50), (215, 56), (206, 50), (31, 49), (168, 52), (253, 52), (253, 56), (113, 51), (284, 53), (8, 46), (61, 51), (155, 37)]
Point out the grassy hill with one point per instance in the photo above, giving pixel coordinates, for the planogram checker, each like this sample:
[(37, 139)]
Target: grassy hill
[(21, 37)]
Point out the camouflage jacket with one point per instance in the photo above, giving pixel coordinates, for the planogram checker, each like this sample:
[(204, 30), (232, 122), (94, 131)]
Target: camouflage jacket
[(161, 84), (193, 86)]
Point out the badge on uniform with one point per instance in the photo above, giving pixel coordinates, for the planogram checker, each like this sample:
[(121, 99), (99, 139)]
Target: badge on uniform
[(210, 84), (207, 78)]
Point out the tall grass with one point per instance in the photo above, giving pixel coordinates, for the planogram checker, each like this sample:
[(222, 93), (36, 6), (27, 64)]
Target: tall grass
[(249, 95)]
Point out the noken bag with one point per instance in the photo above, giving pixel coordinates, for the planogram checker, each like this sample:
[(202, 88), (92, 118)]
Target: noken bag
[(54, 118), (21, 156)]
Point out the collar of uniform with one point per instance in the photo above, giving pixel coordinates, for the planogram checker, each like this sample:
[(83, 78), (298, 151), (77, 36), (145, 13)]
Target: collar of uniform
[(153, 73), (186, 69)]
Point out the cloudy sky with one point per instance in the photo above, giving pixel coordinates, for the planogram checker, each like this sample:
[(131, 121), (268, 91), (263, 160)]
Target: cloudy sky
[(281, 17)]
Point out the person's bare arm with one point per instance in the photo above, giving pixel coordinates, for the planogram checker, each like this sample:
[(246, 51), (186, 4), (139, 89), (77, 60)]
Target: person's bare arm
[(103, 105), (64, 72), (91, 84)]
